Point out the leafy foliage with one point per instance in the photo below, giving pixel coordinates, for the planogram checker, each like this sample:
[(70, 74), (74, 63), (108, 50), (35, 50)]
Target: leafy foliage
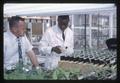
[(62, 74), (56, 74), (59, 74)]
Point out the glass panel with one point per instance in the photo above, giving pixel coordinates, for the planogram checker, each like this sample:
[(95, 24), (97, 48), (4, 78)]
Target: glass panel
[(79, 20)]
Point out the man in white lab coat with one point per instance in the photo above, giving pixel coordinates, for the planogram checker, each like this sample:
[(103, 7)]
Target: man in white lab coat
[(57, 41)]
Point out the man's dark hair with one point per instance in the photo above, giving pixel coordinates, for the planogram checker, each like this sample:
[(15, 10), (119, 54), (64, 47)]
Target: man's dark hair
[(14, 20), (63, 17)]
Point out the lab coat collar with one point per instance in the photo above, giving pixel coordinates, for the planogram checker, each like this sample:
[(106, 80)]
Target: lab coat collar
[(59, 30)]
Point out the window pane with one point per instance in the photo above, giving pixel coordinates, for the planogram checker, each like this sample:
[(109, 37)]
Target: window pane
[(79, 20)]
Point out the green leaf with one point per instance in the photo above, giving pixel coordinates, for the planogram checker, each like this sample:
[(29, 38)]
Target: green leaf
[(54, 75)]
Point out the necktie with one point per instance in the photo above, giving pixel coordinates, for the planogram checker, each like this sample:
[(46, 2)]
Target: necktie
[(20, 52), (63, 36)]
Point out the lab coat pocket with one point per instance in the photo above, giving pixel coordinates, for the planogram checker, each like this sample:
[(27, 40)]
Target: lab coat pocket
[(51, 62), (48, 63)]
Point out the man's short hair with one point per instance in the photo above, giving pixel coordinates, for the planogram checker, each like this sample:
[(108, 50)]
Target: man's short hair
[(14, 20), (63, 17)]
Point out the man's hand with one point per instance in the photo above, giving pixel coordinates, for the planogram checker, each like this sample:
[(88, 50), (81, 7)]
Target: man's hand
[(57, 49), (35, 70)]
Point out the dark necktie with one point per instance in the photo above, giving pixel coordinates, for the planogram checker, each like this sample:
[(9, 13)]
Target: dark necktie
[(63, 36), (20, 52)]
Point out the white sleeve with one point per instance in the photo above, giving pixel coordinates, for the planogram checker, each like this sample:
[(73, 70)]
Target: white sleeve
[(5, 51), (44, 43), (28, 45)]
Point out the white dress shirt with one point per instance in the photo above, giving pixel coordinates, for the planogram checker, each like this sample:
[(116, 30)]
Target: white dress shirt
[(11, 55), (51, 38)]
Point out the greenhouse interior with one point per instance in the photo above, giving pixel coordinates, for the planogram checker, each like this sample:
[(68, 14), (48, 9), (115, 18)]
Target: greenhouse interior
[(94, 37)]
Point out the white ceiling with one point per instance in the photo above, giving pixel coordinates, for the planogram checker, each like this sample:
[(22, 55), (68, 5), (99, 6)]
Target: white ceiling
[(53, 9)]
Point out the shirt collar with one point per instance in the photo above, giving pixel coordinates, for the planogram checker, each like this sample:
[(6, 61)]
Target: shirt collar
[(12, 35)]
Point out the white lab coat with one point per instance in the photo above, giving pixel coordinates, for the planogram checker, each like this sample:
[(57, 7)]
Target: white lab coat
[(51, 38)]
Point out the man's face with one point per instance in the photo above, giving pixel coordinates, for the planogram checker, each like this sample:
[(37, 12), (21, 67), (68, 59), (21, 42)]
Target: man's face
[(63, 23), (20, 28)]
